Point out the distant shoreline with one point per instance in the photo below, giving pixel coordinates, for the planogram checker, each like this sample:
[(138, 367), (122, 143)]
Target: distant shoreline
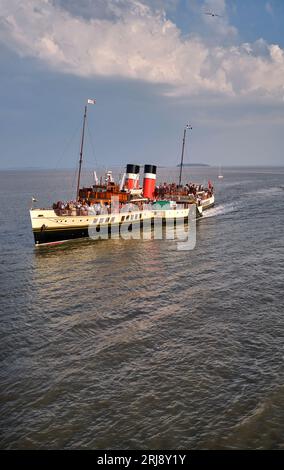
[(159, 166), (194, 164)]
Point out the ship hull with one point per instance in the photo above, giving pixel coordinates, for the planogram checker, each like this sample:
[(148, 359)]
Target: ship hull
[(50, 228), (46, 237), (52, 236), (208, 203)]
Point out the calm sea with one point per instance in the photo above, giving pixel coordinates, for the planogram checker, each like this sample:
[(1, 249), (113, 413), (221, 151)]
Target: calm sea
[(135, 345)]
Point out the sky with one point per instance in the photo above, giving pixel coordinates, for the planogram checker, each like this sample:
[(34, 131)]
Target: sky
[(152, 67)]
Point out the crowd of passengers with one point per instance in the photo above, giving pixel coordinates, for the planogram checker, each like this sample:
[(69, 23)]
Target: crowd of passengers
[(164, 190), (172, 189), (85, 207)]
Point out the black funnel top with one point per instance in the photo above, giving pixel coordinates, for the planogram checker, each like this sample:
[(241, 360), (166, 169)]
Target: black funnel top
[(150, 169), (130, 168)]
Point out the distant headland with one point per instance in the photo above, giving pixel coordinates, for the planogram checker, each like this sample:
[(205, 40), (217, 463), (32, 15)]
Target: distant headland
[(194, 164)]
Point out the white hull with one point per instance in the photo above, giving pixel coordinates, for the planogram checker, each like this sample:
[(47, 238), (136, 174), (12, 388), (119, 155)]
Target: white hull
[(207, 203), (48, 227)]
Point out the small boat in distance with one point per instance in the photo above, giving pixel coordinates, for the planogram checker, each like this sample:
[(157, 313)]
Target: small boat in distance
[(220, 176)]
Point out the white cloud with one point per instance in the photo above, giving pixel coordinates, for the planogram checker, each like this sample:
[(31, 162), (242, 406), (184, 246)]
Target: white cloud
[(133, 41)]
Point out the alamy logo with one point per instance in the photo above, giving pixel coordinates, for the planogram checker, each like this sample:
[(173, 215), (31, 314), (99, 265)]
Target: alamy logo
[(139, 221)]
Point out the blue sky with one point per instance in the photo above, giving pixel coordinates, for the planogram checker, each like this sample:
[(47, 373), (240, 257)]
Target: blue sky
[(152, 66)]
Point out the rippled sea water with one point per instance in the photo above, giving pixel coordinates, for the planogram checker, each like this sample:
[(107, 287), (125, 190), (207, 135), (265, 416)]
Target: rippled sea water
[(135, 345)]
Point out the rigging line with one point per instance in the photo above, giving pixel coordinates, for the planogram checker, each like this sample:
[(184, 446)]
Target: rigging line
[(75, 176), (92, 145), (67, 146)]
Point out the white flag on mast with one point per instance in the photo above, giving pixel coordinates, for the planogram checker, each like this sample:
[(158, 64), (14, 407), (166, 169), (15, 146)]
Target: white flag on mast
[(91, 101)]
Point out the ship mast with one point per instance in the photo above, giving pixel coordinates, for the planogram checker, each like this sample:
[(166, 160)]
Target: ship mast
[(182, 152), (82, 146)]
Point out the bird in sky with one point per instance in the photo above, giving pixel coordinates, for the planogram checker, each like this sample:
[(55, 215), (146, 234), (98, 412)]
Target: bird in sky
[(211, 13)]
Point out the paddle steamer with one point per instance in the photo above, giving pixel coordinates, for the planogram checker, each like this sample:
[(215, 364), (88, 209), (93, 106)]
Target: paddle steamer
[(110, 208)]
